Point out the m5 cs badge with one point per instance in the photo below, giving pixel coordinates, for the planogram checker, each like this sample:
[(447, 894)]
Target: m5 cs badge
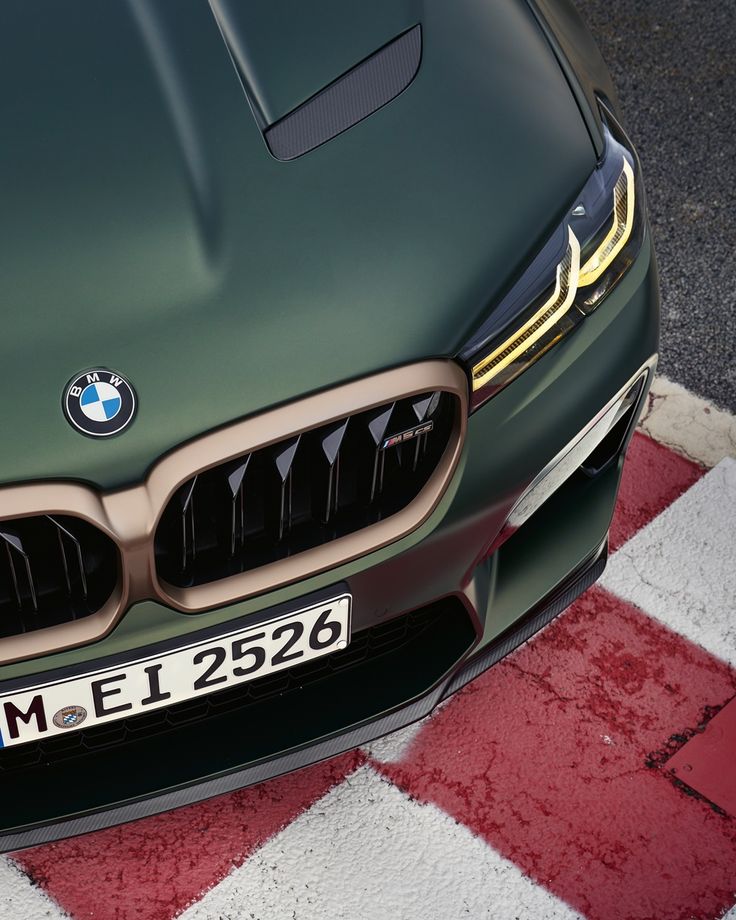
[(99, 403), (409, 435)]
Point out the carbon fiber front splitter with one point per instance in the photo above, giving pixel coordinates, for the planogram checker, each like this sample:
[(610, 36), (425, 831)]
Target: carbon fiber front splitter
[(467, 670)]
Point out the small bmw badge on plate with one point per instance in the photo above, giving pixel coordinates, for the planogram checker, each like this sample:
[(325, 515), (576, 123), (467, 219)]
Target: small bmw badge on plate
[(99, 403)]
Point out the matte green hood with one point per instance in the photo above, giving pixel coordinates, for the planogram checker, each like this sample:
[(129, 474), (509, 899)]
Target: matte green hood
[(146, 227)]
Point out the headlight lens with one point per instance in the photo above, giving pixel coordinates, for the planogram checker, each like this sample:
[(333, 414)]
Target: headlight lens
[(622, 224), (583, 260), (542, 329)]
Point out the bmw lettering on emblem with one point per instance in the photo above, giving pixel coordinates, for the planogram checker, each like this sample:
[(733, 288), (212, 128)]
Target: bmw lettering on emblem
[(70, 716), (99, 403)]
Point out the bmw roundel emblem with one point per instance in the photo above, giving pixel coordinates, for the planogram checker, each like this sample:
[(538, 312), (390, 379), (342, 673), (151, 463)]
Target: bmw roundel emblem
[(99, 403)]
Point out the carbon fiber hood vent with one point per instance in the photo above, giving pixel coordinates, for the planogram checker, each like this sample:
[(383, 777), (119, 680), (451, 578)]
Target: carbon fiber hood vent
[(336, 99), (350, 99)]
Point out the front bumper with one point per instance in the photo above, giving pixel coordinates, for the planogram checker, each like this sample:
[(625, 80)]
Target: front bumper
[(490, 601)]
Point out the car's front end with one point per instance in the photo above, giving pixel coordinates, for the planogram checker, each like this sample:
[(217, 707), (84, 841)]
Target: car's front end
[(358, 349)]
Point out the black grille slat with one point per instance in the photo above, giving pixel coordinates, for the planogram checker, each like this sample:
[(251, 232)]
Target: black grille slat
[(188, 531), (235, 478), (52, 570), (377, 424), (284, 455), (424, 408), (331, 439), (303, 491), (65, 536), (14, 550)]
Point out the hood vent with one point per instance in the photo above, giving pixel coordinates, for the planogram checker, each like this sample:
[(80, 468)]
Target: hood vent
[(351, 98)]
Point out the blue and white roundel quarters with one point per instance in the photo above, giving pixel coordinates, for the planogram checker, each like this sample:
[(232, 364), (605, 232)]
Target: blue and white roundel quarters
[(99, 403)]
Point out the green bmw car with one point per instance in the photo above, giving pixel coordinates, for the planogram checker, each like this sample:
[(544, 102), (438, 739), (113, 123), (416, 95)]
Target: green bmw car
[(325, 327)]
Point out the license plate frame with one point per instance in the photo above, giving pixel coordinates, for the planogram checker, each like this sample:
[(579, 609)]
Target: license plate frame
[(221, 657)]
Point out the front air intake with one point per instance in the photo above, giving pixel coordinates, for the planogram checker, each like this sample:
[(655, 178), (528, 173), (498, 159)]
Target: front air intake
[(304, 491)]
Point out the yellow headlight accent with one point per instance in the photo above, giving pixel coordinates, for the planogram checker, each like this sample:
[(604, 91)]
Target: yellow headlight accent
[(551, 311), (623, 222)]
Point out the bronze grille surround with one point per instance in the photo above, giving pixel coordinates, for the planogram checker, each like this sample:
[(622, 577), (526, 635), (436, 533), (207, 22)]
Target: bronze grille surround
[(131, 516)]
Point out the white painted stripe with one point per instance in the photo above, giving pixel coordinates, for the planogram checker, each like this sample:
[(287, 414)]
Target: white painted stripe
[(368, 852), (394, 747), (20, 899), (688, 424), (731, 915), (680, 567)]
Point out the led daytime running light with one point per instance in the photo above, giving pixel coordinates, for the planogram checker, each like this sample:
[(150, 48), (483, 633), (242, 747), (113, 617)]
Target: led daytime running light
[(617, 236), (551, 311)]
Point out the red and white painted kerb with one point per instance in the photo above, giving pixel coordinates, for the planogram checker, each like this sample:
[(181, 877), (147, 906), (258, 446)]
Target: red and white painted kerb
[(592, 773)]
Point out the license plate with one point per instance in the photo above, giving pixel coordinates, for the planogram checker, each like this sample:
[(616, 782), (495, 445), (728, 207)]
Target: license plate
[(173, 676)]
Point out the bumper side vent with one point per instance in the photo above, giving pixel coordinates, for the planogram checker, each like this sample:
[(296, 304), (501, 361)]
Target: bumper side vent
[(53, 569), (609, 449), (304, 491)]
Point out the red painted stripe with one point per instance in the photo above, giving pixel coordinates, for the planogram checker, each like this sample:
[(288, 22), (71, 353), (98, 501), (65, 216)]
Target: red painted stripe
[(152, 869), (707, 763), (547, 757), (654, 476)]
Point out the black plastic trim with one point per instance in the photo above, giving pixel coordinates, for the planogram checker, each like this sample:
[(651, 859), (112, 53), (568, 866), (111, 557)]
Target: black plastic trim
[(552, 606), (351, 98), (557, 601), (617, 441)]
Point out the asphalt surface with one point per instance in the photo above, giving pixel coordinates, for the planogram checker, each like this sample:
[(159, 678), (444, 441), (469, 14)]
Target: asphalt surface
[(674, 64)]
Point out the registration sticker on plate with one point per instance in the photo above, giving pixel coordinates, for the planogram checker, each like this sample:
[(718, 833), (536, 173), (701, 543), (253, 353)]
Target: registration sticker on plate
[(173, 676)]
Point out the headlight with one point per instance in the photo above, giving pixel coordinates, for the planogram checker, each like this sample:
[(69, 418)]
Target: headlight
[(581, 263)]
